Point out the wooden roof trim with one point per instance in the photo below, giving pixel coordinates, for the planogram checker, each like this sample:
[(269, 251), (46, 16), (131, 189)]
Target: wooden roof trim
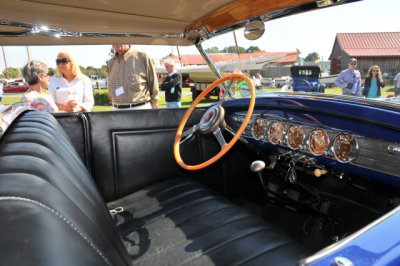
[(240, 11)]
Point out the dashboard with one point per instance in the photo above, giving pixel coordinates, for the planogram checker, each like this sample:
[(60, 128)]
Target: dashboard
[(313, 142), (340, 146)]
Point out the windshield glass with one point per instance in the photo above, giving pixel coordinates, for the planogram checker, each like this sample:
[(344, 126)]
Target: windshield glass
[(349, 50)]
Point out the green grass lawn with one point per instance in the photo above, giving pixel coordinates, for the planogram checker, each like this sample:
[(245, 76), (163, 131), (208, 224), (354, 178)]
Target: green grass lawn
[(10, 100), (187, 99)]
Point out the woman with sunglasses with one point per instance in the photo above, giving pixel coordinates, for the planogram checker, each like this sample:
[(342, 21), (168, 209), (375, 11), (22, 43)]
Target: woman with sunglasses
[(37, 75), (373, 83), (70, 89)]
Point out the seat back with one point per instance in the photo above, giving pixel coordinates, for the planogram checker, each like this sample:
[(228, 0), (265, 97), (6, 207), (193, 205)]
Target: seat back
[(52, 212)]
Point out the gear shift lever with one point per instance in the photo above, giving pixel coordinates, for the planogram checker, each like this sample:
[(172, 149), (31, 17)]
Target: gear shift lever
[(257, 167)]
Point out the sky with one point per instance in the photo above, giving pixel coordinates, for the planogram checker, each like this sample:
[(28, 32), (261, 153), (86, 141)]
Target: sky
[(309, 32)]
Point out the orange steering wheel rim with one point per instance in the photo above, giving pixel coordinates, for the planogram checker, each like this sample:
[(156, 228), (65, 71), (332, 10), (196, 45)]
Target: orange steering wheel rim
[(227, 146)]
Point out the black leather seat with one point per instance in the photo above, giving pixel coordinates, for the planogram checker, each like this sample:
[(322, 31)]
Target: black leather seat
[(53, 214), (181, 222)]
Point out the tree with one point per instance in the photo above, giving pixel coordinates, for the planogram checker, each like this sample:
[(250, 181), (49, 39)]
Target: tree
[(12, 72), (83, 70), (312, 57), (253, 49), (102, 72), (232, 50), (91, 71), (170, 54), (212, 50), (52, 71)]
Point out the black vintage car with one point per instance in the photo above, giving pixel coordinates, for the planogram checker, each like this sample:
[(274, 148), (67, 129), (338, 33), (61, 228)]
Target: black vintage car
[(278, 179)]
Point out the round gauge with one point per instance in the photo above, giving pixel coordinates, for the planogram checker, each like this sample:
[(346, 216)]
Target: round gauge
[(345, 147), (275, 132), (258, 128), (318, 141), (295, 136)]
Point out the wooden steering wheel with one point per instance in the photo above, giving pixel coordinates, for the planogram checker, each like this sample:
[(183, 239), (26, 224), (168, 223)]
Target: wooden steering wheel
[(212, 122)]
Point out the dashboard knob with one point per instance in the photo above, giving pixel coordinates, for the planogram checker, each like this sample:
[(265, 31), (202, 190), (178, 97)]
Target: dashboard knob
[(257, 166), (319, 172)]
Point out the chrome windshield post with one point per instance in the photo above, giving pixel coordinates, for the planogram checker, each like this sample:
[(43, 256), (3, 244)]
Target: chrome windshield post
[(213, 68)]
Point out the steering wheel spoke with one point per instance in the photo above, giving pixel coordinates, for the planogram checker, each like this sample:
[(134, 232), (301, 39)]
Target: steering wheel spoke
[(218, 135), (187, 134), (227, 89)]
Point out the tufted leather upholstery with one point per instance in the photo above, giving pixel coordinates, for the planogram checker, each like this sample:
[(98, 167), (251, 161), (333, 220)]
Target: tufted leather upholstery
[(178, 222), (116, 135), (53, 214)]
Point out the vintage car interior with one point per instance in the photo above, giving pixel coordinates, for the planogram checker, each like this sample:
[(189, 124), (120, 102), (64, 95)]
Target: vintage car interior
[(269, 179)]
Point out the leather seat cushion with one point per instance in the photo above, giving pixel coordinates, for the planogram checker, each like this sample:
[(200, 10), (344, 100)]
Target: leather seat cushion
[(181, 222)]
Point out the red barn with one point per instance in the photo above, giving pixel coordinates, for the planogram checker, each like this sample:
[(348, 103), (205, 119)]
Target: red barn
[(375, 48)]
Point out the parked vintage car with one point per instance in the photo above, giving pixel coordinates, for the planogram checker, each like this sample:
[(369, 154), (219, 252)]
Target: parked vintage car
[(299, 178), (306, 78), (16, 87)]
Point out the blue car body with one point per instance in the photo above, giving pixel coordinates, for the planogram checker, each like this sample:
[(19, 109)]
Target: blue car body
[(377, 243), (306, 78)]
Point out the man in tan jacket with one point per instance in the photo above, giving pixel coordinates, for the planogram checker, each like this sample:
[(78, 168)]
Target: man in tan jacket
[(132, 79)]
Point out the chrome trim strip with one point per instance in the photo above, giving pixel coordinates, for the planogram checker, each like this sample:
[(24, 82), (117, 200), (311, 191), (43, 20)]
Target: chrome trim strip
[(336, 246), (389, 103), (59, 32)]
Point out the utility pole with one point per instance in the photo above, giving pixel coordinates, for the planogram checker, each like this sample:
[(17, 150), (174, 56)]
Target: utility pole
[(179, 55), (5, 62), (237, 47), (27, 50)]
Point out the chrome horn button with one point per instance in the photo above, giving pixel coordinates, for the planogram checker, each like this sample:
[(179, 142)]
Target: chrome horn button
[(211, 119)]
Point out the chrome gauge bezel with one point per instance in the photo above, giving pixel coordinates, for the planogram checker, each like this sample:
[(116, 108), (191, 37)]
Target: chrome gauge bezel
[(289, 136), (369, 153), (310, 149), (334, 148), (255, 134), (269, 132)]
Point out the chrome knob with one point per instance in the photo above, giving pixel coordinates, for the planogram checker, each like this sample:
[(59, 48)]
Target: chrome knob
[(257, 166), (342, 261)]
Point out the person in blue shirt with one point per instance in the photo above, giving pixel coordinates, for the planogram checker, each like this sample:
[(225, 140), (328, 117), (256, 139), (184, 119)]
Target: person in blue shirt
[(373, 83), (350, 79)]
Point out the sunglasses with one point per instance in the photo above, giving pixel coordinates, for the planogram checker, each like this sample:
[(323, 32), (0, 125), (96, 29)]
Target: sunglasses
[(62, 61), (375, 70), (46, 74)]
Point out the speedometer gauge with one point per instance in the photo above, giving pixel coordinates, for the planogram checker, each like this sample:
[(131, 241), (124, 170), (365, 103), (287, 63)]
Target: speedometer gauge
[(259, 128), (345, 147), (275, 132), (295, 136), (318, 141)]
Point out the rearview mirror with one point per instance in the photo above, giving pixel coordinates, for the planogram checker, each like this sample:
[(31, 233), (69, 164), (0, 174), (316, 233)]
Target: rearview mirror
[(254, 30)]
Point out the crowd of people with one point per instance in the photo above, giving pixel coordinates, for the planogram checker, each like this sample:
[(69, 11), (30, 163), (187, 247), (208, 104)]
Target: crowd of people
[(133, 83)]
